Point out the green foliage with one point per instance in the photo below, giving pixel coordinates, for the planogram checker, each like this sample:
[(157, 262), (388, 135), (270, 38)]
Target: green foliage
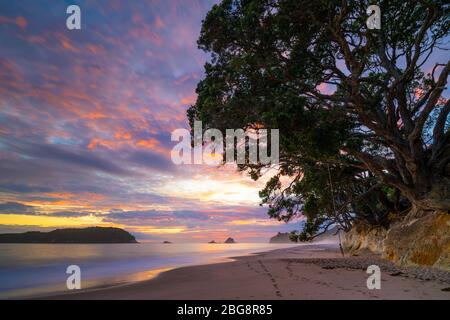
[(343, 97)]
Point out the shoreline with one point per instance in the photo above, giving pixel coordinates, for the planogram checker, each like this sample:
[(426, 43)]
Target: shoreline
[(144, 274), (314, 271), (104, 265)]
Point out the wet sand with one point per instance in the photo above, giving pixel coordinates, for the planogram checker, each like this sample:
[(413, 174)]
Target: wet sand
[(303, 272)]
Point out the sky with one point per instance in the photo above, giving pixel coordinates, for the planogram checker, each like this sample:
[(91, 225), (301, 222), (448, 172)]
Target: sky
[(85, 123)]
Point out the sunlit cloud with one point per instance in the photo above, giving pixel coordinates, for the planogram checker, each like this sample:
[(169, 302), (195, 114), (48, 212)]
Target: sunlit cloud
[(86, 118)]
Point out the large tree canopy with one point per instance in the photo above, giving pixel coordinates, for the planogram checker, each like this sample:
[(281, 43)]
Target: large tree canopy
[(364, 129)]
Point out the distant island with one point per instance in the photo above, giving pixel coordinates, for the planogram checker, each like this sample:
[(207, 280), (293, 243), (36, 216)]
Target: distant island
[(283, 237), (230, 240), (167, 242), (213, 241), (84, 235), (280, 238)]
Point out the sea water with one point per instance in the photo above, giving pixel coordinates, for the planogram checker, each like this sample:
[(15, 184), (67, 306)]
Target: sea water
[(29, 270)]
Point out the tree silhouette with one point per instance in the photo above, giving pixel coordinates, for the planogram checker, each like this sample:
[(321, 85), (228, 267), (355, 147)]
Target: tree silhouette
[(355, 108)]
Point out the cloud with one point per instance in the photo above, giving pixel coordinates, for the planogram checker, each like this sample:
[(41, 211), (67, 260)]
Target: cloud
[(152, 160), (136, 217), (16, 208), (192, 215), (86, 117), (22, 209), (176, 217), (19, 21), (23, 188), (78, 159), (69, 157), (70, 214)]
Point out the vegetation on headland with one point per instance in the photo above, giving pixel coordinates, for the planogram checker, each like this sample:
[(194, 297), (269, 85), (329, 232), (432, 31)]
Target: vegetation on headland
[(364, 126), (82, 235)]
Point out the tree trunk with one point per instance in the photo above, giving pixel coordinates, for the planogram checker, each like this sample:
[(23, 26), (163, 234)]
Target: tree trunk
[(437, 199)]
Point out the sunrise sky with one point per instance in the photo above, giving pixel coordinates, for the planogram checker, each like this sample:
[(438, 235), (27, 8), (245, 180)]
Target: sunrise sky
[(85, 123)]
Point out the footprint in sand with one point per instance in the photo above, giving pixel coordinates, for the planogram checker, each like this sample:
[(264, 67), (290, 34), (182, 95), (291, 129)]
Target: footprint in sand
[(272, 279), (251, 268)]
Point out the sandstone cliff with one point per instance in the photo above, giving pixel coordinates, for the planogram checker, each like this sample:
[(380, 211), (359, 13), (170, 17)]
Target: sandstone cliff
[(420, 239)]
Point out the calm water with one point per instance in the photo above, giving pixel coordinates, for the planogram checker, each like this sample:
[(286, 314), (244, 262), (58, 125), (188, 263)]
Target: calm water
[(30, 269)]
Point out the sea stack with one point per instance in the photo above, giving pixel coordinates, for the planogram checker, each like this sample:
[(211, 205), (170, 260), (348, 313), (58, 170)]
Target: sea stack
[(230, 240)]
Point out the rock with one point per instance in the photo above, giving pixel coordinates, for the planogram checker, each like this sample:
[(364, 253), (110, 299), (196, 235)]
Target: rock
[(230, 240), (367, 259), (212, 241), (280, 238), (167, 242), (420, 241), (361, 237)]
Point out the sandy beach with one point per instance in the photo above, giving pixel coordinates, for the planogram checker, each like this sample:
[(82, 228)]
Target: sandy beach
[(305, 272)]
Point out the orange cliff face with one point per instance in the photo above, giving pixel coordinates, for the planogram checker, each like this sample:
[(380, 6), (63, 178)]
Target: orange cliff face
[(419, 241), (423, 241)]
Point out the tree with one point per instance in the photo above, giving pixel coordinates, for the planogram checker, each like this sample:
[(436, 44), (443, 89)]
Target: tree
[(352, 104)]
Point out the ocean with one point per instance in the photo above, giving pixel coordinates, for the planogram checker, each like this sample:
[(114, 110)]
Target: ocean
[(29, 270)]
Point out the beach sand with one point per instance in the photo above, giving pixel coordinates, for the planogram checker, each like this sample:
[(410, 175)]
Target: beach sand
[(303, 272)]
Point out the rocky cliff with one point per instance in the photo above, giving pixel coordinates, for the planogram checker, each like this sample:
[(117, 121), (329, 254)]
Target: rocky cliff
[(420, 239), (361, 237)]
